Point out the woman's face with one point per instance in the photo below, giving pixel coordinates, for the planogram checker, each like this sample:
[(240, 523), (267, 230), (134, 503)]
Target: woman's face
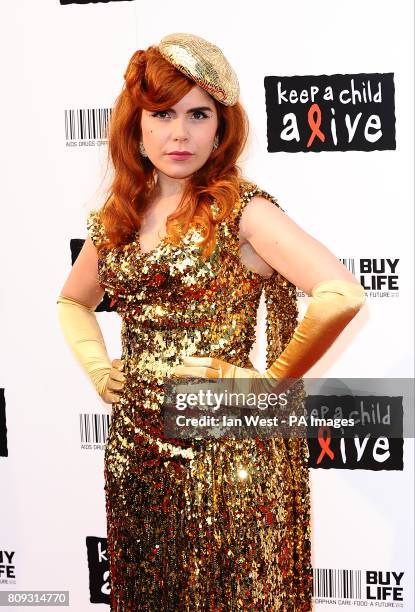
[(190, 125)]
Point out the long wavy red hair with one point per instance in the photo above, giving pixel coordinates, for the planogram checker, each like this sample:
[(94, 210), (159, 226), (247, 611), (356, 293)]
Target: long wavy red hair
[(154, 84)]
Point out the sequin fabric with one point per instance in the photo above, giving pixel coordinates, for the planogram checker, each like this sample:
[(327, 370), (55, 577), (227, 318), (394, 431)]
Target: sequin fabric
[(186, 531), (204, 63)]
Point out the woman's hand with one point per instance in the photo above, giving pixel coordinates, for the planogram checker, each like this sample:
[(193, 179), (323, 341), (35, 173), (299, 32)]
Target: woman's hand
[(211, 367), (239, 380), (115, 382)]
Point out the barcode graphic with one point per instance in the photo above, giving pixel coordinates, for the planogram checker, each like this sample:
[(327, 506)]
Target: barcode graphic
[(345, 584), (94, 428), (87, 123), (349, 263)]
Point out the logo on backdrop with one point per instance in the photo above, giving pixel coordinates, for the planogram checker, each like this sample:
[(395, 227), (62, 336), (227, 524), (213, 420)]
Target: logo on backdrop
[(93, 430), (3, 427), (90, 1), (87, 127), (365, 587), (7, 567), (380, 449), (338, 112), (99, 576), (378, 276)]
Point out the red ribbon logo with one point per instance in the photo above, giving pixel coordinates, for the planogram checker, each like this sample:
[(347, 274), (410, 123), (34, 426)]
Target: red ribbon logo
[(314, 121), (324, 443)]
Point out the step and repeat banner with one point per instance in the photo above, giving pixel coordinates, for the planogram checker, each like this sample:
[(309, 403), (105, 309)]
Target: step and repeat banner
[(328, 88)]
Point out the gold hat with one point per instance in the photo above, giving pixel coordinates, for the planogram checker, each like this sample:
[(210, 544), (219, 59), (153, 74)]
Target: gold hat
[(204, 63)]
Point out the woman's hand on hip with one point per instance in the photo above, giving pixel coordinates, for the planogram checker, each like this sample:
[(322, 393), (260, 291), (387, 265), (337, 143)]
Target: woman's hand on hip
[(115, 382)]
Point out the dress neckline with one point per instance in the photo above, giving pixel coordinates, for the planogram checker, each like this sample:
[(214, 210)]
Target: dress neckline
[(163, 241), (151, 251)]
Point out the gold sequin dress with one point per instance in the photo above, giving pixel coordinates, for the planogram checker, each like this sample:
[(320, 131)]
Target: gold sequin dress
[(185, 531)]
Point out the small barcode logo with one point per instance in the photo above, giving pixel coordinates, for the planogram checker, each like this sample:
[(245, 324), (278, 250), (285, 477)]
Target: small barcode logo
[(87, 123), (332, 583), (349, 263), (94, 428)]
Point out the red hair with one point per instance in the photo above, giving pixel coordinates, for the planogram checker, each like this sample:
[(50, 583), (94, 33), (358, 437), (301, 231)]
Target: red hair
[(152, 83)]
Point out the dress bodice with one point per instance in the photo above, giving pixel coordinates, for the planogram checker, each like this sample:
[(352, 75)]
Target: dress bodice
[(174, 303)]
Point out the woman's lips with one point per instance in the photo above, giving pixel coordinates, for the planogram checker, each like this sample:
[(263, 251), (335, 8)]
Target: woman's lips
[(180, 156)]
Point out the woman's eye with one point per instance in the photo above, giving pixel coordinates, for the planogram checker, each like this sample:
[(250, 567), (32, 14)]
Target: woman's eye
[(200, 113), (158, 114)]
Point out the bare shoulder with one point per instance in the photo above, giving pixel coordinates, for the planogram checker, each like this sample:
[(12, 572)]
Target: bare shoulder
[(259, 212)]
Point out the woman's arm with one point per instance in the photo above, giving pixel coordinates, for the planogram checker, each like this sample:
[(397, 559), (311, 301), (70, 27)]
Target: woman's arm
[(82, 283), (286, 247), (336, 295), (77, 301)]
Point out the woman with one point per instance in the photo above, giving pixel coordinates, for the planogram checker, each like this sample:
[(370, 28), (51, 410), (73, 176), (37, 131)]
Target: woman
[(184, 246)]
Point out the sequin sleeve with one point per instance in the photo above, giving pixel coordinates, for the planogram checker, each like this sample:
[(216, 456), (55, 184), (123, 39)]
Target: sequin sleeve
[(95, 227)]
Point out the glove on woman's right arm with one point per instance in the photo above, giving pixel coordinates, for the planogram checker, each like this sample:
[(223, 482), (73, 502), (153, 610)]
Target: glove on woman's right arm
[(83, 334)]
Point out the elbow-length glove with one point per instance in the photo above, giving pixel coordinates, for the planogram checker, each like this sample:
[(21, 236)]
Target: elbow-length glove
[(332, 305), (83, 334)]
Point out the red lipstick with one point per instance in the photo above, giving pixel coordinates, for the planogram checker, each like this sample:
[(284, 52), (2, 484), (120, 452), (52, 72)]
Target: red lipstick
[(180, 155)]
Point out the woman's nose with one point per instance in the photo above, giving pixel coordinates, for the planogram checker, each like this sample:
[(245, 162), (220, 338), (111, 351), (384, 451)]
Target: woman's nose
[(179, 128)]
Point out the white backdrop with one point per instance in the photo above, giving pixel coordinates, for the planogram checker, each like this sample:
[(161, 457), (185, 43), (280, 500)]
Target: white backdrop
[(57, 58)]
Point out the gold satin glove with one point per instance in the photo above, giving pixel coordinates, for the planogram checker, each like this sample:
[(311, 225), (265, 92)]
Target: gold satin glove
[(83, 334), (238, 380), (332, 305)]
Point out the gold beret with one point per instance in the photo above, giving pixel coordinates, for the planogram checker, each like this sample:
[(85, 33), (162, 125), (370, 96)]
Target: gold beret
[(204, 63)]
